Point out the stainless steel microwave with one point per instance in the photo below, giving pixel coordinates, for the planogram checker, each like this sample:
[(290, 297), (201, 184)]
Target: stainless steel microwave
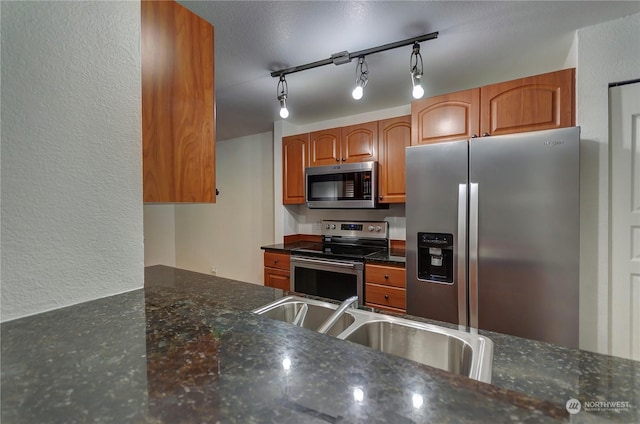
[(346, 186)]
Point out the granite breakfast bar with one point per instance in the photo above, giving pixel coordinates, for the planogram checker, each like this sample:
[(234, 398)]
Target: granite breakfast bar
[(187, 349)]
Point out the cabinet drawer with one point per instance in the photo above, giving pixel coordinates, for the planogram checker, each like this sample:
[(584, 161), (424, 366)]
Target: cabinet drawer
[(277, 278), (386, 275), (385, 295), (277, 260)]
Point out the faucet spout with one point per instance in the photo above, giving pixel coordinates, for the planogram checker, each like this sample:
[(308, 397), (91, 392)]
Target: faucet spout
[(335, 316)]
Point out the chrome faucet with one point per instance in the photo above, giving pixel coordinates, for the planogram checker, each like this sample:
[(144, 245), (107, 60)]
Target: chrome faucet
[(335, 316)]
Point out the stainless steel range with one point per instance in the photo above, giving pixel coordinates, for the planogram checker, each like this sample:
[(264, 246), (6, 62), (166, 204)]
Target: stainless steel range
[(334, 269)]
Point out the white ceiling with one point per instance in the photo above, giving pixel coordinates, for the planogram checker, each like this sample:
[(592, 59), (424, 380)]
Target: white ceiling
[(479, 43)]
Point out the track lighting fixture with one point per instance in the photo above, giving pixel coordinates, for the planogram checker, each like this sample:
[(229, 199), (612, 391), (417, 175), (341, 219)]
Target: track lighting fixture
[(415, 65), (283, 91), (362, 78), (362, 71)]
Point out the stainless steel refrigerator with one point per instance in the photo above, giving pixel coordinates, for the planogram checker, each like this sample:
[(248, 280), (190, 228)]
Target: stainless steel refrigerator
[(493, 233)]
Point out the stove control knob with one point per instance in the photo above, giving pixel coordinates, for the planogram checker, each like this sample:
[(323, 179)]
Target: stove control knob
[(370, 228), (328, 226), (333, 226), (378, 228)]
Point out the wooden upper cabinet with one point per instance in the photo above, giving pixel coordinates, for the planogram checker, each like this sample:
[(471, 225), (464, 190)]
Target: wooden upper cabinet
[(178, 123), (453, 116), (359, 143), (294, 160), (324, 147), (355, 143), (528, 104), (394, 137)]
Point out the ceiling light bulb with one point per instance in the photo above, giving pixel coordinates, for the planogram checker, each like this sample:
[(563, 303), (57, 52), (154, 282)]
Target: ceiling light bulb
[(284, 112), (362, 77), (357, 92), (416, 70), (283, 89), (418, 92)]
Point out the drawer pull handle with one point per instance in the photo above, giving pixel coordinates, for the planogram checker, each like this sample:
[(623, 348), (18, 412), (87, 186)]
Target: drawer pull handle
[(386, 296), (386, 276), (275, 262)]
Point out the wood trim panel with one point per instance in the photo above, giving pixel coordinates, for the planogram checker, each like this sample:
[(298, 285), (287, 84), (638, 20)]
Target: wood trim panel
[(302, 237)]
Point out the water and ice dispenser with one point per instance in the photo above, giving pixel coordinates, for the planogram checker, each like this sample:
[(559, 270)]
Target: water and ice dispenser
[(435, 257)]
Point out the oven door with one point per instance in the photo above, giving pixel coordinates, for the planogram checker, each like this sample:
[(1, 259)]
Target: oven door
[(328, 278)]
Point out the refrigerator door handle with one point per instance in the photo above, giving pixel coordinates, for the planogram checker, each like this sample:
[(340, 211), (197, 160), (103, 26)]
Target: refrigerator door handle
[(462, 255), (473, 255)]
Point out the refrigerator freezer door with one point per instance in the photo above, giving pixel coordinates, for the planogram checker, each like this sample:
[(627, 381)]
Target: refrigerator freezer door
[(436, 207), (527, 200)]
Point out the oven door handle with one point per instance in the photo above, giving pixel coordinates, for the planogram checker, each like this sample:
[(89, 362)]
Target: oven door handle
[(350, 265)]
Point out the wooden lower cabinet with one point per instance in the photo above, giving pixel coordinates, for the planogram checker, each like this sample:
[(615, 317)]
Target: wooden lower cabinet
[(385, 287), (276, 270)]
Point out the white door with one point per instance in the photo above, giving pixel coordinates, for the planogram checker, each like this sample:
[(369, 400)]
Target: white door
[(625, 220)]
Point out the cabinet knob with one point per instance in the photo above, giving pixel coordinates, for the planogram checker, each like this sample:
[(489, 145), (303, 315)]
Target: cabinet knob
[(276, 261), (386, 276), (474, 135), (380, 197), (343, 159), (486, 134), (337, 159), (386, 296)]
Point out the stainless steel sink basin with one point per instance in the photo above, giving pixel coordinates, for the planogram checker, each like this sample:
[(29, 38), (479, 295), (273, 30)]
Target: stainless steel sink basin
[(451, 350), (286, 309), (434, 346)]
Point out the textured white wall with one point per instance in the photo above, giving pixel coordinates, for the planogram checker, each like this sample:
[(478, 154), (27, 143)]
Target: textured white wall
[(229, 233), (607, 53), (71, 161), (159, 234)]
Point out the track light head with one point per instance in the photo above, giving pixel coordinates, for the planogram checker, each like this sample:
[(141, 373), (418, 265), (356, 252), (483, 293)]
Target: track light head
[(416, 69), (362, 78), (283, 91)]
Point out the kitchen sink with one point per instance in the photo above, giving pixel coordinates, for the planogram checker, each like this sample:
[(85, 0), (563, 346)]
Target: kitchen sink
[(451, 350), (286, 309), (430, 345)]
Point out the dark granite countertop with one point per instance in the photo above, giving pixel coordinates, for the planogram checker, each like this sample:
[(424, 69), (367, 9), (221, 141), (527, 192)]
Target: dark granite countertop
[(187, 349)]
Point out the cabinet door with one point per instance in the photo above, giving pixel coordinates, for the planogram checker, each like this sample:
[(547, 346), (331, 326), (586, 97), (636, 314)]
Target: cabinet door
[(528, 104), (294, 160), (394, 137), (178, 128), (359, 143), (324, 147), (454, 116), (277, 278)]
